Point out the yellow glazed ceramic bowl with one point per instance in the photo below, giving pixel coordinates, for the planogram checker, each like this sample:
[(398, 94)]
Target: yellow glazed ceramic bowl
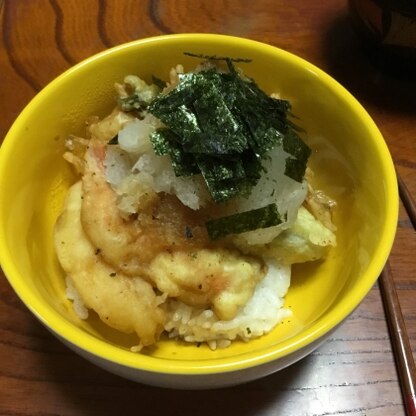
[(351, 162)]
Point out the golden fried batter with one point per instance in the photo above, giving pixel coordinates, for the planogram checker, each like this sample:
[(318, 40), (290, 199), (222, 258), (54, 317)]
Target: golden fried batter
[(167, 243), (126, 303)]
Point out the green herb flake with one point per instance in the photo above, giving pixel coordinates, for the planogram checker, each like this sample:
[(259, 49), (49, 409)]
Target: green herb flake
[(264, 217), (188, 232), (132, 103)]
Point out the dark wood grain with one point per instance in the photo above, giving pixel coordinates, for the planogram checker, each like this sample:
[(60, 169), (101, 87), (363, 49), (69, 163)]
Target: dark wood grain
[(407, 200), (400, 340), (353, 373)]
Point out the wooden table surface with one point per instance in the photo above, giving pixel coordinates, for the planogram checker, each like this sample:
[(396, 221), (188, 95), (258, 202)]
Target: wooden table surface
[(353, 373)]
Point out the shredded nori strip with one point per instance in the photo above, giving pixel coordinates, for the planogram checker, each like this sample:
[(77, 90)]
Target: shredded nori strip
[(223, 129), (216, 58), (221, 114), (264, 217), (222, 125), (164, 142), (299, 152), (159, 82)]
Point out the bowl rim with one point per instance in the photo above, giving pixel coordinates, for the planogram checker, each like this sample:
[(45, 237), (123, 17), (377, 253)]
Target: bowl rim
[(111, 353)]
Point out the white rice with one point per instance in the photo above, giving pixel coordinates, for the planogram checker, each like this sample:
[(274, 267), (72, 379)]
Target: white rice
[(72, 294), (259, 316)]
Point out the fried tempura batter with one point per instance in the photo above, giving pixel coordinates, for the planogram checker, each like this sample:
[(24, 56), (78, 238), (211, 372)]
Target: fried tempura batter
[(130, 244), (126, 303), (220, 279), (166, 243)]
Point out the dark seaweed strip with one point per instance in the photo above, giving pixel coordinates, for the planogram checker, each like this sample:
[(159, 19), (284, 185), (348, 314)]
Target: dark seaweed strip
[(114, 140), (223, 177), (220, 125), (164, 142), (296, 164), (220, 117), (159, 82), (264, 217), (216, 57)]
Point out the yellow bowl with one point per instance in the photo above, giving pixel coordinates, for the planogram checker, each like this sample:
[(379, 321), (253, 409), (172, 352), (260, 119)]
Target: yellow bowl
[(350, 159)]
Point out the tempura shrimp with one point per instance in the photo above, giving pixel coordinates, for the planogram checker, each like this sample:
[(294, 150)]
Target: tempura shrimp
[(128, 304), (129, 244), (166, 243)]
